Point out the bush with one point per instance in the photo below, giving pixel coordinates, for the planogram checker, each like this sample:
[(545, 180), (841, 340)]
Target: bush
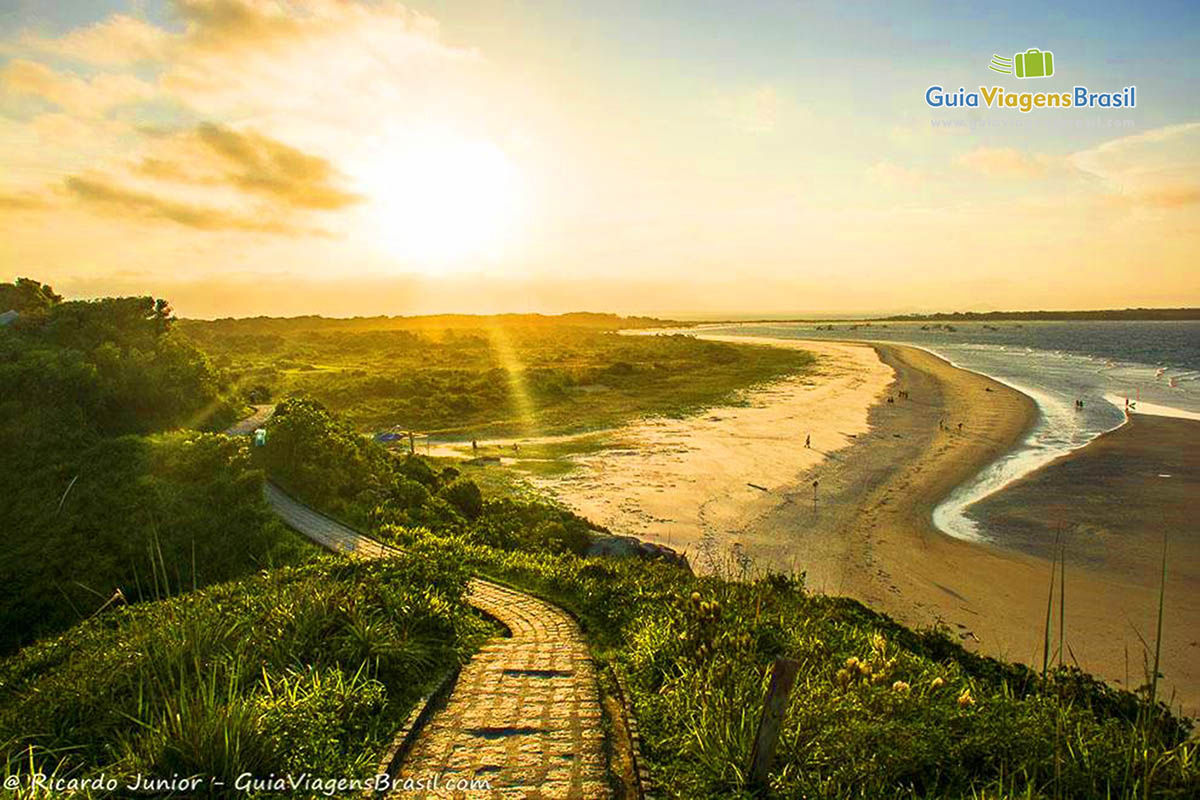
[(464, 495), (130, 519)]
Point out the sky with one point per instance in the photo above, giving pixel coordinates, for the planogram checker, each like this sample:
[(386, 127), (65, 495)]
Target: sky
[(246, 157)]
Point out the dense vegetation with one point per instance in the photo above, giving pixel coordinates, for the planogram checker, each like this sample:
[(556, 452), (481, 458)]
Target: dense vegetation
[(319, 457), (97, 505), (301, 670), (469, 377)]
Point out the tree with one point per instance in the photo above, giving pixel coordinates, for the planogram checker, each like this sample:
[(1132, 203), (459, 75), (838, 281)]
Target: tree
[(27, 296)]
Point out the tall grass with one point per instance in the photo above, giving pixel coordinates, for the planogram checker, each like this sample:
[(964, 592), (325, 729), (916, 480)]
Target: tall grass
[(302, 669), (878, 710)]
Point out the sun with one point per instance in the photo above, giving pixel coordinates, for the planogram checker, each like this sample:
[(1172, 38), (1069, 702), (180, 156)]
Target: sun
[(437, 202)]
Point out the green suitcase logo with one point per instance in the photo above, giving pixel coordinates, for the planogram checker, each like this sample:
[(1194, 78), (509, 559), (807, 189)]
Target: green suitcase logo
[(1033, 63)]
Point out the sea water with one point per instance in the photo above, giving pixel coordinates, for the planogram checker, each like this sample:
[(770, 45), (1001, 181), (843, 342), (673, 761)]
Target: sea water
[(1155, 366)]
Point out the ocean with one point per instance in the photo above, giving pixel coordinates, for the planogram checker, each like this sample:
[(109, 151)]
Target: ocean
[(1155, 366)]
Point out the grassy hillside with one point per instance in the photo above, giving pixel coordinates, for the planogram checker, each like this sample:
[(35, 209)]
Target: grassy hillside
[(878, 710), (470, 377), (302, 670)]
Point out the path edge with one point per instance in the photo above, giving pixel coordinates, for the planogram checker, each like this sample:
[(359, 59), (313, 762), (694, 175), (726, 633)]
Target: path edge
[(404, 739)]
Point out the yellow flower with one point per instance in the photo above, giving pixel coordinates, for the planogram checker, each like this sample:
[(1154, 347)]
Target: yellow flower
[(843, 678), (937, 683), (965, 699), (852, 663), (900, 686)]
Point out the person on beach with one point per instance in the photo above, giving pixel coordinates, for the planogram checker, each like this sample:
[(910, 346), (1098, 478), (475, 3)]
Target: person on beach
[(474, 446), (960, 427), (808, 441)]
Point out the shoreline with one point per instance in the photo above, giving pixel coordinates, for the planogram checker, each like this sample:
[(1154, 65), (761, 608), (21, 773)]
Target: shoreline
[(872, 536)]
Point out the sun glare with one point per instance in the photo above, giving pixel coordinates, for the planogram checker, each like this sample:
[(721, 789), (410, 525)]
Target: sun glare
[(442, 201)]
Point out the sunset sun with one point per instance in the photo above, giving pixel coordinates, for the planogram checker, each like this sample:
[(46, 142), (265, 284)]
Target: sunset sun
[(435, 202)]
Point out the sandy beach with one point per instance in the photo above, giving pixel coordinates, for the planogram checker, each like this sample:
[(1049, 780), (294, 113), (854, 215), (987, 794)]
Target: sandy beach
[(693, 484), (881, 468)]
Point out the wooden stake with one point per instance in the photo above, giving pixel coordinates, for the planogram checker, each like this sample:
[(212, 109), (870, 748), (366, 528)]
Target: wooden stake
[(783, 677)]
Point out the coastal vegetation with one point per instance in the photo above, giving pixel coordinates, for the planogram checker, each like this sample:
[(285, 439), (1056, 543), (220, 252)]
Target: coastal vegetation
[(470, 377), (159, 620), (306, 669), (111, 491)]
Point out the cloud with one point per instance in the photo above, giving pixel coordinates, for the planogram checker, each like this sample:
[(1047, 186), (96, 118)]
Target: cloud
[(21, 201), (118, 40), (82, 96), (1155, 169), (1005, 162), (892, 175), (228, 24), (216, 155), (269, 167), (213, 177), (103, 194)]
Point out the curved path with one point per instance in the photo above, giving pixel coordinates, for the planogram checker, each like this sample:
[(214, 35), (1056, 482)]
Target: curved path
[(524, 715), (245, 427)]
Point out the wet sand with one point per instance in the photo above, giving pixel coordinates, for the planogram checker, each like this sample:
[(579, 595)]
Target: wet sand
[(1112, 502), (870, 535)]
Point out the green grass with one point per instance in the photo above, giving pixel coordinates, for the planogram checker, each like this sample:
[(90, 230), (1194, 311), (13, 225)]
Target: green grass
[(878, 710), (488, 377), (306, 669)]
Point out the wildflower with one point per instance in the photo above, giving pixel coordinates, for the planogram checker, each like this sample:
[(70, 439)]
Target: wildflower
[(843, 678), (878, 642), (695, 598), (900, 686), (864, 668), (879, 678), (965, 699), (937, 683), (852, 662)]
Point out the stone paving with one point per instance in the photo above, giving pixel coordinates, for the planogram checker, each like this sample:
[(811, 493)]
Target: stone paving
[(523, 719)]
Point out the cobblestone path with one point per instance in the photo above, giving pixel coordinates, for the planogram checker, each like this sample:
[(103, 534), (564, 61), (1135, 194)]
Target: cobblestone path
[(523, 719)]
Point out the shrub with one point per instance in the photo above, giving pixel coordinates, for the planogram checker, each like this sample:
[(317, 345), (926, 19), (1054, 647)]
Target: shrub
[(464, 495)]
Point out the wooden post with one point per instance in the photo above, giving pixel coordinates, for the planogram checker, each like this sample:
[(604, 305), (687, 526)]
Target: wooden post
[(783, 677)]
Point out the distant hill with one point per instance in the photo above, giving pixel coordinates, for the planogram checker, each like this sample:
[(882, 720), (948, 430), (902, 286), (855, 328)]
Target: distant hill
[(435, 322), (1148, 314)]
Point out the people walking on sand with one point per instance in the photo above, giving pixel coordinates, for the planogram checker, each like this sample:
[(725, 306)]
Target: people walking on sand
[(808, 440), (960, 427)]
